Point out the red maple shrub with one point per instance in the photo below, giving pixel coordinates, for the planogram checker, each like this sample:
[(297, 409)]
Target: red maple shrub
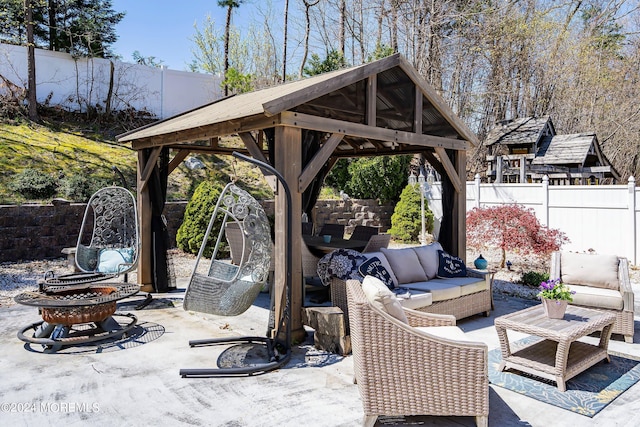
[(512, 228)]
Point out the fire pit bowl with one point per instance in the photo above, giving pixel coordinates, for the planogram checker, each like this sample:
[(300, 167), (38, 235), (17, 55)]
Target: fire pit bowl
[(80, 314)]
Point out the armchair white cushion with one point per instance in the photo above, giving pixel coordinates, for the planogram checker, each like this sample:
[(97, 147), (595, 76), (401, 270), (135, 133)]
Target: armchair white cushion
[(600, 282)]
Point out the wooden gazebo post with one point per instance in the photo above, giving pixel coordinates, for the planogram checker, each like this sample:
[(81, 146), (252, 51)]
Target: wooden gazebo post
[(288, 161), (144, 269)]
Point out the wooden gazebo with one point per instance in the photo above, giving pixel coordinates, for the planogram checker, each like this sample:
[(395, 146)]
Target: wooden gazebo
[(302, 128)]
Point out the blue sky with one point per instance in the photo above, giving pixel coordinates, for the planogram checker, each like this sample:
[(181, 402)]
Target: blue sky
[(163, 28)]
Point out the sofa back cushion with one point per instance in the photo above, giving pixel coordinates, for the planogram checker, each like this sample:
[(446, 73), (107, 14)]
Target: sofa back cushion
[(600, 271), (405, 265), (428, 257), (381, 297)]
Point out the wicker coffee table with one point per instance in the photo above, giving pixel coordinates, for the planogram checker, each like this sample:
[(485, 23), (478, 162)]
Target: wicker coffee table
[(558, 356)]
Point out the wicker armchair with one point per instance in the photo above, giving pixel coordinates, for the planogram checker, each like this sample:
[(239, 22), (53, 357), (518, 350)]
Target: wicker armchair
[(402, 370), (585, 273)]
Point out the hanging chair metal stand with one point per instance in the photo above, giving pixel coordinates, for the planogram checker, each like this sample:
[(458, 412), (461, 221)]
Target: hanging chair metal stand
[(278, 349)]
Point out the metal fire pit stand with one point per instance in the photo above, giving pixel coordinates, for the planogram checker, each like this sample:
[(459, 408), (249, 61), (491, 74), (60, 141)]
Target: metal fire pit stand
[(77, 314)]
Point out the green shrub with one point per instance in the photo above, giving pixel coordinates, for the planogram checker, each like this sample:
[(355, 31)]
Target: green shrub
[(80, 187), (339, 177), (381, 178), (533, 278), (34, 184), (406, 223), (196, 220)]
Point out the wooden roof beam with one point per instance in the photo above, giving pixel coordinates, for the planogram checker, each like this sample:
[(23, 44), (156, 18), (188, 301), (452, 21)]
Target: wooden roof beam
[(246, 124), (316, 163), (306, 121), (177, 159), (452, 173), (148, 167), (257, 154)]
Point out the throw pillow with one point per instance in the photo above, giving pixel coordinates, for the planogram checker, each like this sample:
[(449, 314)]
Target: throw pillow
[(113, 260), (381, 297), (342, 263), (385, 263), (405, 265), (373, 267), (450, 266), (428, 256)]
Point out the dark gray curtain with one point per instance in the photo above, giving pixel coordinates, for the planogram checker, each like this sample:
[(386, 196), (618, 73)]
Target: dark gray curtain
[(310, 146), (446, 226), (162, 277)]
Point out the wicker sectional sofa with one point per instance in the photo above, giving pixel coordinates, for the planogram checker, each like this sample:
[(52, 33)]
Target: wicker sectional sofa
[(416, 269)]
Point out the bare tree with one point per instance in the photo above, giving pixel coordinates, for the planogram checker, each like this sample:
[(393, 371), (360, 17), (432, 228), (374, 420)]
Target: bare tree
[(307, 5), (32, 100), (342, 12), (284, 44)]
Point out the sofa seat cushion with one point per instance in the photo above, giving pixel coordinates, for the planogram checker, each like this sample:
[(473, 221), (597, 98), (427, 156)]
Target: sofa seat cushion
[(405, 265), (440, 290), (448, 332), (600, 271), (473, 285), (589, 296), (443, 289), (416, 300)]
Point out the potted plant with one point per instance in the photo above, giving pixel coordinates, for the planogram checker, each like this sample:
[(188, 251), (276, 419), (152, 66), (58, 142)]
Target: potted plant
[(555, 297)]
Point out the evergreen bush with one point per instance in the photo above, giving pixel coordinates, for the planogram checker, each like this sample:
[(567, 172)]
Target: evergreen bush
[(80, 187), (406, 223), (533, 278), (381, 178), (197, 214), (33, 184)]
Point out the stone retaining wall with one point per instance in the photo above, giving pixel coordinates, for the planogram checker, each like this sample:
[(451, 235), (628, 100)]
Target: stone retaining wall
[(31, 232)]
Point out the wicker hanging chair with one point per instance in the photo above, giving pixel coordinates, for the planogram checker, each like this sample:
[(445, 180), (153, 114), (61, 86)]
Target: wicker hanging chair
[(229, 289), (224, 288), (108, 242)]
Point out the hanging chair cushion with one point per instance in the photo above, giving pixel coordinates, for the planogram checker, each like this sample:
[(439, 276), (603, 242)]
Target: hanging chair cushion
[(112, 260)]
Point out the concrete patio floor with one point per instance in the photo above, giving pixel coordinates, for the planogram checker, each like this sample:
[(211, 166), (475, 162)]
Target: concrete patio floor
[(136, 382)]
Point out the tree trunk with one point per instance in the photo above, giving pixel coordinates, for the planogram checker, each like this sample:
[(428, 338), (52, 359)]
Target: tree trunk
[(307, 30), (107, 103), (31, 62), (53, 34), (343, 13), (227, 30), (284, 48)]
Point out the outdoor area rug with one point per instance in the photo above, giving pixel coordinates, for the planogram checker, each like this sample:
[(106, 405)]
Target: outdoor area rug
[(587, 393)]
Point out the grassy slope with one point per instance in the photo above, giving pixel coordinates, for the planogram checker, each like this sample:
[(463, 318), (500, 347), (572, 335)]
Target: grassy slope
[(66, 148)]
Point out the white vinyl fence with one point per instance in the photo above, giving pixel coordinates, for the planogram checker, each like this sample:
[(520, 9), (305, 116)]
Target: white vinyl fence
[(75, 83), (599, 217)]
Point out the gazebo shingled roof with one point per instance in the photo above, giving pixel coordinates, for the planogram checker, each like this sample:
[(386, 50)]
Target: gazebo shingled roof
[(368, 110)]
